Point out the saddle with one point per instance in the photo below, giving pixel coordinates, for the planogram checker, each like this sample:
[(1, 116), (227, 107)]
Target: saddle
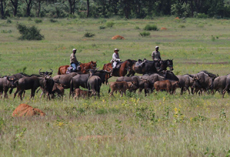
[(139, 63), (70, 69), (118, 65)]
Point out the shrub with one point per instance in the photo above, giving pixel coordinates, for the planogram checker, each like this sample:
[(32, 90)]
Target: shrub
[(109, 24), (88, 35), (8, 21), (38, 20), (213, 38), (137, 27), (6, 31), (53, 20), (144, 34), (181, 26), (102, 27), (149, 27), (29, 33), (201, 15)]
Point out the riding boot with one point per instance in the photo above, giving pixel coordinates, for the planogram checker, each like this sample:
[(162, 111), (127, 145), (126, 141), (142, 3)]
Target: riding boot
[(111, 73)]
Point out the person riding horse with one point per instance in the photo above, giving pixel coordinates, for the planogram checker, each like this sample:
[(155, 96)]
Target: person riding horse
[(156, 56), (115, 60), (73, 60)]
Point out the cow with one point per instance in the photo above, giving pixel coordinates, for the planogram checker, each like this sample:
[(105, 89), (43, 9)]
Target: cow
[(64, 79), (119, 86), (6, 83), (26, 83), (81, 93), (59, 89), (185, 81), (219, 84), (203, 81), (94, 84), (169, 86), (77, 81)]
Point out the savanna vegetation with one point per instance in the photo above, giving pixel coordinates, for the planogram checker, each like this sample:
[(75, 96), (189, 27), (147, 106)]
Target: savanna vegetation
[(133, 125)]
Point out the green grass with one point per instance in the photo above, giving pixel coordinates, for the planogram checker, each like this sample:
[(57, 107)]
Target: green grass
[(135, 125)]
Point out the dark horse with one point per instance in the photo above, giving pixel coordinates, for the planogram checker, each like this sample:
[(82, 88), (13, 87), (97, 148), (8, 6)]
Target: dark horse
[(150, 67), (84, 67), (122, 71)]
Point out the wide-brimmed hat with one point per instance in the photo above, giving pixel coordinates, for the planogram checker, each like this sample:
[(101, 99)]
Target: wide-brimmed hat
[(157, 47), (74, 49), (116, 49)]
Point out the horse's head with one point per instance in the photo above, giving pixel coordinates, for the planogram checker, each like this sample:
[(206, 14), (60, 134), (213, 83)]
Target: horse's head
[(170, 64), (93, 65)]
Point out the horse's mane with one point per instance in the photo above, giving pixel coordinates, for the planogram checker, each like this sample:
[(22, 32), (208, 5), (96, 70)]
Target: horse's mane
[(209, 74)]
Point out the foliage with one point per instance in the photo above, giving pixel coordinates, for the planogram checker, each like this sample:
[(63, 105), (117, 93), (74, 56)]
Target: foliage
[(181, 26), (150, 27), (29, 33), (201, 15), (144, 34), (102, 27), (109, 24), (8, 21), (88, 34), (38, 20)]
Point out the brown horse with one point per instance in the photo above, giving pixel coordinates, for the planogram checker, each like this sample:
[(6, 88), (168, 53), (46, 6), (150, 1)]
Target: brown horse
[(122, 71), (84, 67)]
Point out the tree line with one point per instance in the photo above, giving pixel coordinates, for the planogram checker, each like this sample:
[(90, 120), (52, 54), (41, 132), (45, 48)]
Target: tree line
[(110, 8)]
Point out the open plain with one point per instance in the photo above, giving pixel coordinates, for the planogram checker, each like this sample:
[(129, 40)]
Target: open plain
[(133, 125)]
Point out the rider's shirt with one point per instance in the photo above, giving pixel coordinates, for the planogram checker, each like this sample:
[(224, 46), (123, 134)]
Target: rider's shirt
[(156, 55), (115, 57), (73, 58)]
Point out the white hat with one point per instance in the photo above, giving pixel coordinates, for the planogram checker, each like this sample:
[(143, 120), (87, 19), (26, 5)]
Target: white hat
[(157, 47), (74, 49), (116, 49)]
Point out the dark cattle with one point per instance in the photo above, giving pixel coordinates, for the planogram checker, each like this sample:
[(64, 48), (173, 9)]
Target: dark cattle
[(26, 83), (57, 89), (185, 81), (94, 84), (64, 79), (81, 93), (203, 81), (5, 84), (227, 87), (219, 84), (152, 79), (169, 86), (101, 73), (137, 83), (47, 86), (118, 86), (77, 81)]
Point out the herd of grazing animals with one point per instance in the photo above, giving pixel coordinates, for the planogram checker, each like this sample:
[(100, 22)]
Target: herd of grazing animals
[(163, 80)]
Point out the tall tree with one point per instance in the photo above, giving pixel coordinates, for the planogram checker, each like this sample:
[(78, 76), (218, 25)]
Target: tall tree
[(15, 6), (72, 6), (87, 8), (2, 5), (29, 4)]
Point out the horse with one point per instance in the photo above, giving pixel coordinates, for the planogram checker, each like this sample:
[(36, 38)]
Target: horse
[(84, 67), (164, 64), (122, 71), (150, 67)]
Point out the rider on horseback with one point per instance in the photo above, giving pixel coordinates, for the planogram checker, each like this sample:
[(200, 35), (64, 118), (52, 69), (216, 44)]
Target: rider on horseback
[(73, 60), (115, 59), (156, 56)]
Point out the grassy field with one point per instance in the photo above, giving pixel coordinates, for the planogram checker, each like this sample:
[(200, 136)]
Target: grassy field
[(156, 125)]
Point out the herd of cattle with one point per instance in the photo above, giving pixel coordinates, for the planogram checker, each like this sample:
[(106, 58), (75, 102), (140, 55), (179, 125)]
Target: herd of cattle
[(163, 81)]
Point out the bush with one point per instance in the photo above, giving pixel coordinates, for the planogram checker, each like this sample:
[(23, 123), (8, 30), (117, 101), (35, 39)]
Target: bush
[(102, 27), (144, 34), (8, 21), (29, 33), (149, 27), (6, 31), (181, 26), (137, 27), (38, 20), (88, 35), (53, 20), (201, 15), (109, 24)]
